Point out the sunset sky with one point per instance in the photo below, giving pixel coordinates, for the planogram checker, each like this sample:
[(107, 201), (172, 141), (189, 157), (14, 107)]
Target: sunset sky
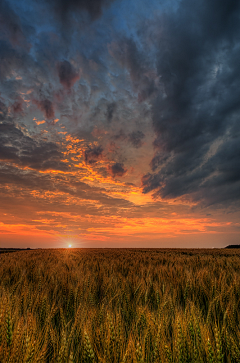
[(119, 123)]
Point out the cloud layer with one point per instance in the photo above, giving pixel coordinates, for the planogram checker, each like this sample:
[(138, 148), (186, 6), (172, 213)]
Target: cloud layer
[(120, 108), (195, 116)]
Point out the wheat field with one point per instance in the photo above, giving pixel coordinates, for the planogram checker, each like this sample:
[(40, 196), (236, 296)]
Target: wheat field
[(120, 305)]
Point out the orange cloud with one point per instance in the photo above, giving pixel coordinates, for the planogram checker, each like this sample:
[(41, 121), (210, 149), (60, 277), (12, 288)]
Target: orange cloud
[(40, 122)]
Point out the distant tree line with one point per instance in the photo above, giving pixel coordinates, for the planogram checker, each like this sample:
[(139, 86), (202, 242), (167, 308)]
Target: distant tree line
[(233, 246)]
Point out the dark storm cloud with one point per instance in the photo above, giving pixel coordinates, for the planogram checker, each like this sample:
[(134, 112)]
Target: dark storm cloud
[(92, 154), (20, 149), (117, 169), (225, 182), (67, 74), (195, 115)]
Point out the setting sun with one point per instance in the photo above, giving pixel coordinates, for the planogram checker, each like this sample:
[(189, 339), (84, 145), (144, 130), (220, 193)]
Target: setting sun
[(69, 246)]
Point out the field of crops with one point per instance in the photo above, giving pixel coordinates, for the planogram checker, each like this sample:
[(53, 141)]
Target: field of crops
[(127, 305)]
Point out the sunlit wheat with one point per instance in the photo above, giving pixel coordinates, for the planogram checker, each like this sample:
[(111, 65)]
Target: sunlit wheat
[(120, 306)]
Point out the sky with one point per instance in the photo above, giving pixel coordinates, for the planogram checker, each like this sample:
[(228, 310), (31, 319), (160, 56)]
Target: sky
[(119, 123)]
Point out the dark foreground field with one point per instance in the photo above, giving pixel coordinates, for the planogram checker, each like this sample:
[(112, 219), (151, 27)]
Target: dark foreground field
[(120, 306)]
